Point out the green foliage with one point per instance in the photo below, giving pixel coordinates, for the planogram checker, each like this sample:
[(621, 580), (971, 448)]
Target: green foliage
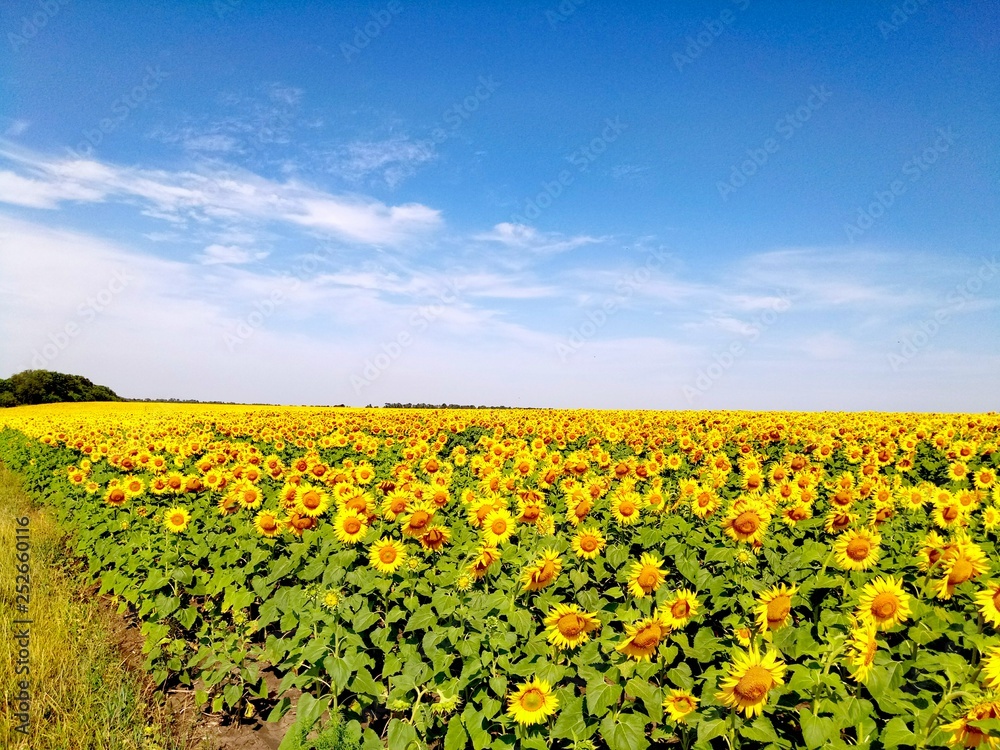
[(45, 387)]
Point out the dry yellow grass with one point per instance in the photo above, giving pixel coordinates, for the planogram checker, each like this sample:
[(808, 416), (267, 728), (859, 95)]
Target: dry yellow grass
[(82, 695)]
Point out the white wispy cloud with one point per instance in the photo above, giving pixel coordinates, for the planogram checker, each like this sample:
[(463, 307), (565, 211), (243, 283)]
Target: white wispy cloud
[(229, 255), (227, 193), (391, 160), (523, 237)]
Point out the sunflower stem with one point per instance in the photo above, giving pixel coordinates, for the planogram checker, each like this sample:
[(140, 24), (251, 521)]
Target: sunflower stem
[(929, 726)]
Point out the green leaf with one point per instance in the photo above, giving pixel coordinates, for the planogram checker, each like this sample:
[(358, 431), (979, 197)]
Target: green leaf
[(422, 619), (646, 693), (601, 696), (570, 723), (710, 729), (761, 730), (187, 616), (896, 733), (626, 731), (401, 734), (817, 730), (456, 737)]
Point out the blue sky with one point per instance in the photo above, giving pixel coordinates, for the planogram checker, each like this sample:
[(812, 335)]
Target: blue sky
[(740, 204)]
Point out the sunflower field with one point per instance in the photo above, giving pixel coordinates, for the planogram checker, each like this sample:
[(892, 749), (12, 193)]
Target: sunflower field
[(540, 578)]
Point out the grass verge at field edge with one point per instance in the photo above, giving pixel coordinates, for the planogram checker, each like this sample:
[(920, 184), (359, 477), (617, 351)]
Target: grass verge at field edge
[(82, 693)]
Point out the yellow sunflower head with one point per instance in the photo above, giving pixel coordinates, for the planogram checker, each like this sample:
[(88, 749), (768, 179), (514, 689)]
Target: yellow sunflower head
[(857, 549), (884, 602), (646, 575), (543, 572), (387, 555), (498, 527), (350, 526), (774, 607), (588, 543), (678, 610), (267, 524), (750, 678), (176, 519), (568, 626), (678, 704), (532, 703), (644, 637)]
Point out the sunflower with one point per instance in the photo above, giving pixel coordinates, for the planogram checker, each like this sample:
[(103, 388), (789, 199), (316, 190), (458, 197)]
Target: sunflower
[(678, 610), (969, 562), (532, 703), (350, 526), (395, 503), (311, 501), (746, 522), (991, 517), (646, 575), (991, 668), (542, 572), (643, 637), (625, 507), (418, 517), (797, 511), (838, 520), (498, 527), (704, 503), (884, 602), (749, 680), (988, 601), (267, 524), (486, 555), (861, 648), (947, 515), (679, 703), (774, 607), (985, 478), (588, 543), (386, 555), (435, 537), (857, 549), (228, 505), (482, 507), (299, 524), (133, 486), (743, 635), (569, 626), (576, 511), (115, 496), (176, 519), (965, 734)]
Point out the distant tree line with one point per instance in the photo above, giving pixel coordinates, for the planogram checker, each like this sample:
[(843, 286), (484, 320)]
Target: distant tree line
[(45, 387)]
